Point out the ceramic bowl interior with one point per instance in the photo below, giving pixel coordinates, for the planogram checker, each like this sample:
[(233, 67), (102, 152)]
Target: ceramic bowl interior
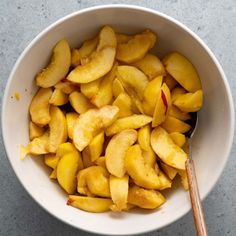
[(211, 143)]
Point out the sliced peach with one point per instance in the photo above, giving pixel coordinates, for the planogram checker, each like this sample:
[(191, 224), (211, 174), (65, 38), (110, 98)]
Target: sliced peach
[(167, 150), (90, 89), (51, 160), (67, 169), (35, 131), (143, 174), (178, 138), (101, 62), (96, 146), (95, 179), (58, 98), (104, 94), (189, 102), (169, 170), (82, 187), (71, 118), (162, 107), (66, 86), (117, 88), (79, 102), (129, 122), (150, 94), (39, 107), (119, 191), (124, 103), (175, 112), (67, 148), (144, 135), (107, 38), (115, 160), (136, 47), (184, 179), (172, 124), (58, 66), (90, 204), (58, 129), (150, 157), (37, 146), (182, 70), (84, 51), (176, 92), (91, 122), (150, 65), (133, 78), (148, 199)]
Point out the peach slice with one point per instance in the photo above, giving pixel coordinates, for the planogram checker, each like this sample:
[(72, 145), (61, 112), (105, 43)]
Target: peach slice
[(39, 107), (35, 131), (117, 88), (178, 138), (143, 174), (133, 78), (90, 204), (79, 102), (172, 124), (58, 98), (119, 191), (94, 179), (182, 70), (51, 160), (90, 89), (101, 62), (167, 150), (136, 47), (176, 113), (37, 146), (91, 122), (104, 94), (58, 66), (124, 103), (162, 107), (189, 102), (150, 65), (144, 135), (67, 169), (58, 129), (78, 55), (96, 146), (169, 171), (66, 86), (71, 118), (147, 199), (150, 94), (115, 160), (129, 122)]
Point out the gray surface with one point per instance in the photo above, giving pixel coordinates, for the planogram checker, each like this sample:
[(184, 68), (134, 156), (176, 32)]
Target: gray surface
[(21, 21)]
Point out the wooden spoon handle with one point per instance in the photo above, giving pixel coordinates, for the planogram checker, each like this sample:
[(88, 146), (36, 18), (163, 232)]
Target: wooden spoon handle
[(198, 214)]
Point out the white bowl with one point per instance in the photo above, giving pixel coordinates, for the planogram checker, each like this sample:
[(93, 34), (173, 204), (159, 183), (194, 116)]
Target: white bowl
[(212, 142)]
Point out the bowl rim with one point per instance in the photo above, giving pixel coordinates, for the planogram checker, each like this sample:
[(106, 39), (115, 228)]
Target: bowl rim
[(143, 9)]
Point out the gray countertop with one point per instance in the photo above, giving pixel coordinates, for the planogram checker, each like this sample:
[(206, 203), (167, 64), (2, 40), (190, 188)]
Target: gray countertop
[(22, 20)]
